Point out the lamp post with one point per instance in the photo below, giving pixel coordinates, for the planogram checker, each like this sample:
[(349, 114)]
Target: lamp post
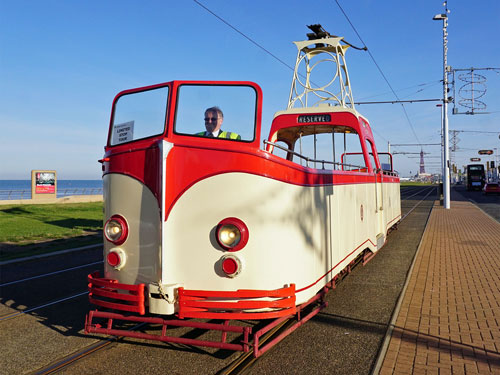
[(446, 150)]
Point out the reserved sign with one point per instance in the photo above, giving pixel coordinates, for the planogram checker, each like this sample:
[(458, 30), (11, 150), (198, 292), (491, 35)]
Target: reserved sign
[(313, 118)]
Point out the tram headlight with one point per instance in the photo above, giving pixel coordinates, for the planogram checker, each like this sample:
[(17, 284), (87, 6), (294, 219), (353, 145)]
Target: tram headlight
[(232, 234), (116, 229)]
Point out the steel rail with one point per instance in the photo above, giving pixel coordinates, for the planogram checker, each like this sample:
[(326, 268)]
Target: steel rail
[(245, 360), (419, 191), (72, 358), (19, 313), (49, 274), (75, 357), (416, 205)]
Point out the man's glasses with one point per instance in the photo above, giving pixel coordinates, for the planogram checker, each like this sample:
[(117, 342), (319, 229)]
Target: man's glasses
[(211, 119)]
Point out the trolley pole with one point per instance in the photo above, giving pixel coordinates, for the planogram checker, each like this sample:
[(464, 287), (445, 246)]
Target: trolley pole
[(446, 150)]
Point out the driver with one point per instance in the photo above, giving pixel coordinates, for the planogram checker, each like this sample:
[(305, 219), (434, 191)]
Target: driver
[(213, 122)]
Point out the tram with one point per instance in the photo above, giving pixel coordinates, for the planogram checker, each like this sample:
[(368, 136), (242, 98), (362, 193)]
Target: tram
[(209, 227)]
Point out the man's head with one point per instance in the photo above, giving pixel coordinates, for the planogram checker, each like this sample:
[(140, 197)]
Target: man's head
[(213, 119)]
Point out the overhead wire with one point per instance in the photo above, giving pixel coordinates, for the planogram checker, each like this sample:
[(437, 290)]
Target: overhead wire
[(379, 69), (423, 85), (250, 39), (244, 35)]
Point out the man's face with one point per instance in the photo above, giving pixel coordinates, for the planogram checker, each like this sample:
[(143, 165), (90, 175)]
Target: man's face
[(213, 122)]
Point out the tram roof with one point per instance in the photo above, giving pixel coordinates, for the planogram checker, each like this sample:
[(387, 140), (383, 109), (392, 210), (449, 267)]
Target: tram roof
[(339, 119), (325, 108)]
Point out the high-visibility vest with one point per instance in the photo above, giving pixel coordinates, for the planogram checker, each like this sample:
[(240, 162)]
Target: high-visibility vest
[(223, 134)]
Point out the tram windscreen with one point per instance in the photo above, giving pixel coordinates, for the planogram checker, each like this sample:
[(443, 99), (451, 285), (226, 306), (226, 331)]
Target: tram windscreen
[(139, 115), (237, 104)]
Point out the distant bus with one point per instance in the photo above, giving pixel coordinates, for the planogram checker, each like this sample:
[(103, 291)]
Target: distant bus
[(475, 176)]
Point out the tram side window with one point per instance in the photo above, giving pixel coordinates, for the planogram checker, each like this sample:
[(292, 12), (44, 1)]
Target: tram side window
[(139, 115), (234, 118)]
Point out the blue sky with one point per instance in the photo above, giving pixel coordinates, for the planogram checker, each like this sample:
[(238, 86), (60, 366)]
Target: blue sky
[(62, 63)]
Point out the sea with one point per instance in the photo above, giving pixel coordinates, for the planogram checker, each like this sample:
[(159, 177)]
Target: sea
[(21, 189)]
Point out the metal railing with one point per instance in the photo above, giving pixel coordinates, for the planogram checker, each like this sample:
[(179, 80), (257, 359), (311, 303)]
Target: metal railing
[(323, 162), (15, 194)]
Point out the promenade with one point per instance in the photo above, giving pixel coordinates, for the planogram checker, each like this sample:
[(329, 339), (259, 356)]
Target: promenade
[(449, 318)]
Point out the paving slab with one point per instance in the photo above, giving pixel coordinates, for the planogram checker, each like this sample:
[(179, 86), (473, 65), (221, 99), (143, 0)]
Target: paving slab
[(449, 320)]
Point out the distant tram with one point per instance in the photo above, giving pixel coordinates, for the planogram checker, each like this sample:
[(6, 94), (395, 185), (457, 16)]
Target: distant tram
[(199, 225)]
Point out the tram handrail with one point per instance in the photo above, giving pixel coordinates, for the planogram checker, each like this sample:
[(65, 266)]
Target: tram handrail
[(307, 159)]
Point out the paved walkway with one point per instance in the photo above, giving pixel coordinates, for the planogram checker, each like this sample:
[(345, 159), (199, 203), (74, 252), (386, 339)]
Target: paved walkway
[(449, 320)]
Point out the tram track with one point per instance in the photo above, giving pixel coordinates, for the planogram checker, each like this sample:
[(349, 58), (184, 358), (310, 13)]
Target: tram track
[(67, 361), (427, 192), (26, 311), (20, 284), (49, 274), (415, 192)]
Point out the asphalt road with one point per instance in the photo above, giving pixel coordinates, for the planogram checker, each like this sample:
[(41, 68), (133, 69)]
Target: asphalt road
[(488, 203)]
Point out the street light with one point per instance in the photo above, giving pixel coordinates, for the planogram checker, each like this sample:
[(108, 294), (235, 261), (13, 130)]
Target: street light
[(439, 17), (446, 156)]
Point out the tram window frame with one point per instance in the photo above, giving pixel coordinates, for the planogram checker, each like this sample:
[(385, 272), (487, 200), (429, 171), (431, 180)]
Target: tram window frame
[(209, 104), (349, 165), (371, 154), (164, 108), (384, 166)]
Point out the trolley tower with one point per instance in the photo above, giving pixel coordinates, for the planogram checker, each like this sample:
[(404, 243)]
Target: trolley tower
[(315, 53)]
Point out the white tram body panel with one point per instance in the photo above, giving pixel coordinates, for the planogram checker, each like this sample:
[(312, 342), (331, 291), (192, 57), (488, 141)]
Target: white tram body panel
[(131, 199), (300, 235)]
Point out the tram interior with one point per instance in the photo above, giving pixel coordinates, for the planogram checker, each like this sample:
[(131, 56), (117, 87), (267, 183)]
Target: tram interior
[(322, 147)]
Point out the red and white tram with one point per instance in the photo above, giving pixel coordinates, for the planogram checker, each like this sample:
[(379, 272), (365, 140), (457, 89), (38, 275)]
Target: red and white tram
[(219, 228)]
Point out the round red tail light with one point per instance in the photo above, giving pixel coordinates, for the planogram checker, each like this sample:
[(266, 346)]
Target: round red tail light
[(113, 259), (116, 229), (116, 258), (231, 265), (232, 234)]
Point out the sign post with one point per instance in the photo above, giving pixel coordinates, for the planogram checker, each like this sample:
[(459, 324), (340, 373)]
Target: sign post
[(43, 184)]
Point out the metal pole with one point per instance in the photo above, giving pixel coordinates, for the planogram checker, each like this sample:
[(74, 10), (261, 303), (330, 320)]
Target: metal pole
[(446, 169), (446, 150)]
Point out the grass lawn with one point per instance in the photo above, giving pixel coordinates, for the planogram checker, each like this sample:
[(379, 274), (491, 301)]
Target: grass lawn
[(23, 226), (414, 183)]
